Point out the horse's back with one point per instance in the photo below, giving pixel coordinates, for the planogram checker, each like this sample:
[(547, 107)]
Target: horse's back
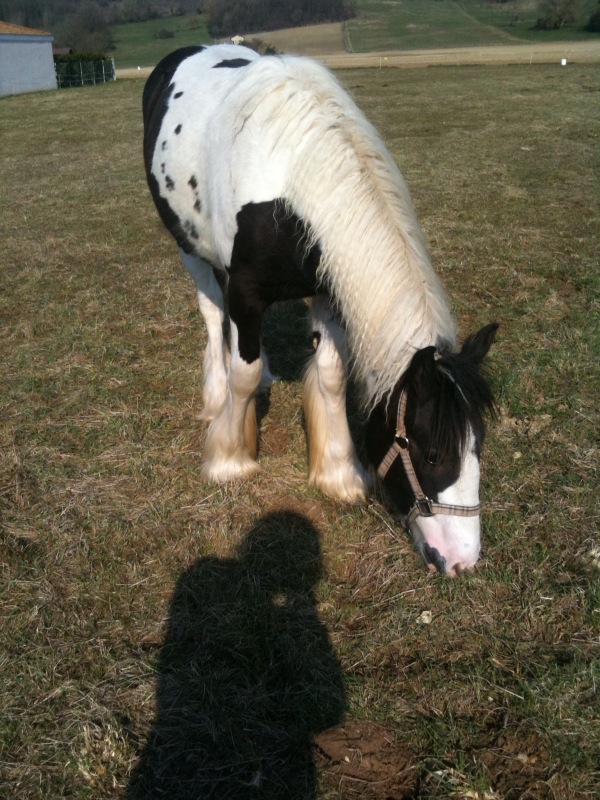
[(190, 115), (190, 63)]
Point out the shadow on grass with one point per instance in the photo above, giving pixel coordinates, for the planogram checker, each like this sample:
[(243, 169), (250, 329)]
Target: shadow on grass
[(246, 676)]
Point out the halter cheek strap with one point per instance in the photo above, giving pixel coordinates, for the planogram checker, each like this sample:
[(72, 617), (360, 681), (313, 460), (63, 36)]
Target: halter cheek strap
[(423, 506)]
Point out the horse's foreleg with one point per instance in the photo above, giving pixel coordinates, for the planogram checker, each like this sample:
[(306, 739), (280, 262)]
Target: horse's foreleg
[(231, 442), (210, 301), (334, 467)]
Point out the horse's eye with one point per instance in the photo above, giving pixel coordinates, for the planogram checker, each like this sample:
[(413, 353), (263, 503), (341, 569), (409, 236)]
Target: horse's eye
[(432, 458)]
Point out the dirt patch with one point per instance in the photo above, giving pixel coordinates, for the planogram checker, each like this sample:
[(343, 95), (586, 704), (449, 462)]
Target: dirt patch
[(369, 758), (518, 762), (309, 40), (368, 761)]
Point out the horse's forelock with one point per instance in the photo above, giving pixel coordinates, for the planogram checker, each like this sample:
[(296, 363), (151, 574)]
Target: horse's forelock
[(461, 398), (464, 398)]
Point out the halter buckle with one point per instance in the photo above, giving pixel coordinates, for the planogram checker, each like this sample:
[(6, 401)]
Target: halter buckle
[(401, 441), (424, 506)]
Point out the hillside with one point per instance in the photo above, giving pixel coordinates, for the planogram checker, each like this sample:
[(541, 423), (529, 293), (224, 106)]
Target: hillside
[(381, 25), (378, 27)]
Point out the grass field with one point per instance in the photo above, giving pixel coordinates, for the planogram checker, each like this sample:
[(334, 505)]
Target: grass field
[(137, 44), (162, 637), (408, 25)]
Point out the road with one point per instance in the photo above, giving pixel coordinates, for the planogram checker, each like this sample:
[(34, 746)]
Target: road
[(526, 53)]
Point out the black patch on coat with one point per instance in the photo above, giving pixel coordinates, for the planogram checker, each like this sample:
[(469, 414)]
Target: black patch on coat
[(170, 219), (177, 95), (178, 129), (232, 63), (157, 91), (193, 182), (169, 183), (271, 260), (191, 229), (198, 205)]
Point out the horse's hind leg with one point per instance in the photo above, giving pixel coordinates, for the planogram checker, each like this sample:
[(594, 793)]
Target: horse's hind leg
[(334, 467), (211, 303)]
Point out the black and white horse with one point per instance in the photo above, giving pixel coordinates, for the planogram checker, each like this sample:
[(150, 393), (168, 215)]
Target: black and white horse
[(275, 187)]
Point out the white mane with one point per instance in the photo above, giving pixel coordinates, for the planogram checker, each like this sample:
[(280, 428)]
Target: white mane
[(340, 179)]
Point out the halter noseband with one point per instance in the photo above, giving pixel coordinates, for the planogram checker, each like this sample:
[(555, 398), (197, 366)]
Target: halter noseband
[(423, 506)]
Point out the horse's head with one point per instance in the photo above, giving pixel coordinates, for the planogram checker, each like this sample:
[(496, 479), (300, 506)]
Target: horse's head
[(425, 442)]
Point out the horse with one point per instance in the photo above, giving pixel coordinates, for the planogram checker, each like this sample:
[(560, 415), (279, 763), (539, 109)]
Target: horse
[(276, 187)]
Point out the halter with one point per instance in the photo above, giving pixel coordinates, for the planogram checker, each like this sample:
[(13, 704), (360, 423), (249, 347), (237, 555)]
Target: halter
[(423, 506)]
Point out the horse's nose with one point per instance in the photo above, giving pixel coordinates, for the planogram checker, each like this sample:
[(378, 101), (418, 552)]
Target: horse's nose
[(435, 561), (459, 569), (434, 558)]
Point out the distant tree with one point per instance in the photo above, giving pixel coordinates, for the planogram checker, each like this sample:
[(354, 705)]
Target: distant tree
[(35, 13), (85, 31), (134, 11), (593, 24), (226, 17), (555, 14)]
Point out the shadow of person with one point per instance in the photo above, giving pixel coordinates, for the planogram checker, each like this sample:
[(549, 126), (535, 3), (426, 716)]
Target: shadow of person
[(246, 675)]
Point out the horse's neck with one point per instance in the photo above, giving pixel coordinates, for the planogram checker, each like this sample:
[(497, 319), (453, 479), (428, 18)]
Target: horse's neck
[(340, 179), (375, 260)]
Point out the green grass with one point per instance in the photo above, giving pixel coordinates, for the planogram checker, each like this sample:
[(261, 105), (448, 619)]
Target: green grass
[(517, 18), (415, 24), (136, 43), (143, 609)]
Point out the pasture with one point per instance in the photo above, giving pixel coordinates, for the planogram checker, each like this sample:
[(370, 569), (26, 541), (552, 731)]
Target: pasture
[(379, 25), (384, 25), (163, 637), (145, 43)]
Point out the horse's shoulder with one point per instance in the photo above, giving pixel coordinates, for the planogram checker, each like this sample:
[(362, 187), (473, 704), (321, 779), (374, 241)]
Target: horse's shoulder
[(161, 77)]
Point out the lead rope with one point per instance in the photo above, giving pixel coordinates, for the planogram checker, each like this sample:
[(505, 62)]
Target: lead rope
[(423, 506)]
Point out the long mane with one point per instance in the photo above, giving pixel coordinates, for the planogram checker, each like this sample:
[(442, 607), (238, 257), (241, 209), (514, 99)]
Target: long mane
[(343, 183)]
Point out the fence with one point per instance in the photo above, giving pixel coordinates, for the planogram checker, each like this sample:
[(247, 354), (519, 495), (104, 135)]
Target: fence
[(84, 73)]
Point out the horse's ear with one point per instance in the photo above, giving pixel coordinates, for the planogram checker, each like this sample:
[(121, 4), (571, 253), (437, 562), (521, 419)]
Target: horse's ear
[(422, 371), (476, 346)]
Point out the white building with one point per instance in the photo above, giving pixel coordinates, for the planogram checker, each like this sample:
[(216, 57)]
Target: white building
[(26, 63)]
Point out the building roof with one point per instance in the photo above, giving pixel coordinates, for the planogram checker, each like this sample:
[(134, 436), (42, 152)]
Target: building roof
[(20, 30)]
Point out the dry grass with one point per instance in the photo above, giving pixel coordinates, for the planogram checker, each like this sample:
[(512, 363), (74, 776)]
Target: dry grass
[(311, 40), (214, 631)]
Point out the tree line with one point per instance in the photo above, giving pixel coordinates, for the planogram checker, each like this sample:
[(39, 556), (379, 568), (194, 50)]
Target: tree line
[(85, 26), (227, 17)]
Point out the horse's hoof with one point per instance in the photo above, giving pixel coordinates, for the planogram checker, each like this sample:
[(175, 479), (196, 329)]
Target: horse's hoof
[(228, 470), (354, 491)]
